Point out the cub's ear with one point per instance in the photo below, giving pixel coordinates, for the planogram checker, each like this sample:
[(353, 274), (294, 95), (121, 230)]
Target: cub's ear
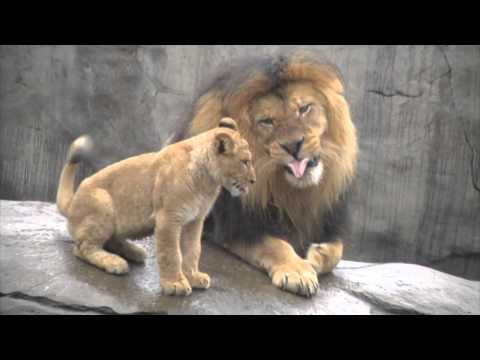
[(228, 123), (224, 144)]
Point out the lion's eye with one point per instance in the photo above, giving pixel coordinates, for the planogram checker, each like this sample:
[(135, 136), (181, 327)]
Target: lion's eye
[(246, 162), (303, 110), (266, 121)]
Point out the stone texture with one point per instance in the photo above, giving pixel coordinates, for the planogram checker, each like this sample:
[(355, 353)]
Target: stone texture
[(40, 275), (417, 109)]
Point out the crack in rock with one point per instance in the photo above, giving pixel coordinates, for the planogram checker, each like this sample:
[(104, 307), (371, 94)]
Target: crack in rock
[(474, 163), (444, 54), (102, 310), (395, 93), (447, 73)]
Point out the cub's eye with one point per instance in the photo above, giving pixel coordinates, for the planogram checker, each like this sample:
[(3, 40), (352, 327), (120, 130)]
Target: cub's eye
[(246, 162), (266, 121), (303, 110)]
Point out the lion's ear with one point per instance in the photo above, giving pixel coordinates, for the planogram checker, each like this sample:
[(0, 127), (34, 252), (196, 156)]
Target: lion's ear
[(224, 144), (228, 123)]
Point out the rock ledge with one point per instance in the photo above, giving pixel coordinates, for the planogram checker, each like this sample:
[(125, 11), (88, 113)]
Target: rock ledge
[(39, 275)]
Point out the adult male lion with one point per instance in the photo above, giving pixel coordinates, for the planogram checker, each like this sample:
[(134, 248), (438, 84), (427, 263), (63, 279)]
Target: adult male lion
[(292, 111)]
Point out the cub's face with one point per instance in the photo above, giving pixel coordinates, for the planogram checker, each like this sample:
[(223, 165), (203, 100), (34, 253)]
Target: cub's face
[(234, 162), (289, 125)]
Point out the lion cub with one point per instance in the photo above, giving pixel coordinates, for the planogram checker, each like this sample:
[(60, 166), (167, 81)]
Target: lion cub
[(168, 193)]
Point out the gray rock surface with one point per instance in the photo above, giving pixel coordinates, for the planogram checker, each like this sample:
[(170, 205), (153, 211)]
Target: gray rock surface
[(40, 275), (417, 109)]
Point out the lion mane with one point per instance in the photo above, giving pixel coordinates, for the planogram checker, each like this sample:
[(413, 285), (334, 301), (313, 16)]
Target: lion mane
[(232, 94)]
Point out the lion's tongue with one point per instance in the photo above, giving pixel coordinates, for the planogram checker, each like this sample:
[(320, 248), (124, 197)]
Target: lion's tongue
[(298, 167)]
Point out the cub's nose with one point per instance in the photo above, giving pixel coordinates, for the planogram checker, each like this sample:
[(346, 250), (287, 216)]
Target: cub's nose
[(294, 147)]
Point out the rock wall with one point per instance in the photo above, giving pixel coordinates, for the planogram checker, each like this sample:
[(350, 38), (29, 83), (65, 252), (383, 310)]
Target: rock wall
[(417, 109)]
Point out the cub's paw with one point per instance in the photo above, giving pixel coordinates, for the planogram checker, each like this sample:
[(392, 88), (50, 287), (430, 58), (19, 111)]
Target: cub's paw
[(134, 253), (298, 277), (176, 288), (127, 249), (115, 265), (111, 263), (199, 280)]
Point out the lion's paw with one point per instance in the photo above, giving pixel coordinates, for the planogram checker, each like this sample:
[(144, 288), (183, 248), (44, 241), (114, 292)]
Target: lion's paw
[(297, 277), (176, 288), (199, 280), (324, 257)]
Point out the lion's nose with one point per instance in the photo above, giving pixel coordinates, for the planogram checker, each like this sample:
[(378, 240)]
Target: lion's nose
[(294, 147)]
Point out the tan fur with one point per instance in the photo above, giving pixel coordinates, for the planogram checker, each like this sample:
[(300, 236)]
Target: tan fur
[(169, 192), (329, 136), (287, 270)]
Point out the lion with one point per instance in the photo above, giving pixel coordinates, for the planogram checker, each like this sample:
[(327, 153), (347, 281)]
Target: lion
[(292, 111), (169, 192)]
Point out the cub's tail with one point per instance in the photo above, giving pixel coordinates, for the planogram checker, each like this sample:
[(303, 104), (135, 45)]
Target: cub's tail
[(79, 149)]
